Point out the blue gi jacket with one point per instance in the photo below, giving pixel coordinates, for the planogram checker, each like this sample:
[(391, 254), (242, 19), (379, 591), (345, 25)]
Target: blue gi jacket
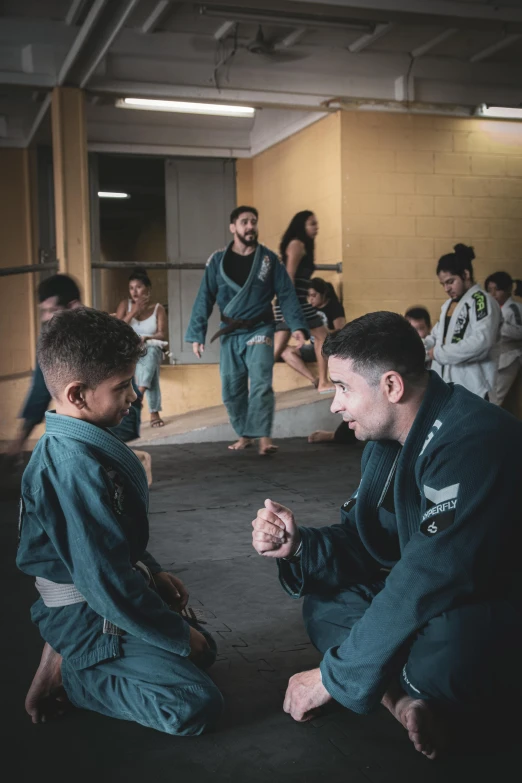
[(83, 520), (457, 537), (268, 278)]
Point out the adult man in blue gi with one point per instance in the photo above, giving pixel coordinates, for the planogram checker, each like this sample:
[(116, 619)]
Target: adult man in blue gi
[(437, 640), (244, 278)]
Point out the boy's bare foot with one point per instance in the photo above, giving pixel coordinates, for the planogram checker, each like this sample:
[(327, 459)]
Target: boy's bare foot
[(266, 447), (419, 720), (321, 436), (239, 445), (46, 698)]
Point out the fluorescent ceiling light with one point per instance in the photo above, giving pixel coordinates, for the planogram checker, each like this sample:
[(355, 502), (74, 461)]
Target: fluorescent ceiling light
[(185, 107), (500, 112), (112, 194)]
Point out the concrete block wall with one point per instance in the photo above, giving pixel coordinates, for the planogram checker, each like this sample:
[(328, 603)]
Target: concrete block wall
[(412, 187)]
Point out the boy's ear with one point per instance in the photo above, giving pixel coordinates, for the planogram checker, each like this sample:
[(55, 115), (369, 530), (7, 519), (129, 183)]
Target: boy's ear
[(75, 394)]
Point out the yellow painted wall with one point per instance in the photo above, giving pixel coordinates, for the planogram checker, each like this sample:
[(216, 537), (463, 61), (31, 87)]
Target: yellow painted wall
[(17, 314), (414, 186)]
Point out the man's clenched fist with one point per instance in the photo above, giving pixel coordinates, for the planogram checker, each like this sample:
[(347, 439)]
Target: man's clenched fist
[(275, 532)]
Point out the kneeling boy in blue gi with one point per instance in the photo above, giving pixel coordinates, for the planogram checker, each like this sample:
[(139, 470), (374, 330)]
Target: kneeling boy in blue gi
[(115, 640)]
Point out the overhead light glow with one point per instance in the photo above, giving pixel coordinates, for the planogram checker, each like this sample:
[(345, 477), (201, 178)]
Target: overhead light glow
[(186, 107), (500, 112), (112, 194)]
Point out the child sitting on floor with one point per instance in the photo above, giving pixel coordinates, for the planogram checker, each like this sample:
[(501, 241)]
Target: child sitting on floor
[(115, 641)]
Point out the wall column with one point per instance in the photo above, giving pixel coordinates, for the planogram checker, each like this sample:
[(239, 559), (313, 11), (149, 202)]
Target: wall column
[(71, 187)]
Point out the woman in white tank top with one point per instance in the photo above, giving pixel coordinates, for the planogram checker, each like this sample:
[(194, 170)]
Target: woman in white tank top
[(150, 322)]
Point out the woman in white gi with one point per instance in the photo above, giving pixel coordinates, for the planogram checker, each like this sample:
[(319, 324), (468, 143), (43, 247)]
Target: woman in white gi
[(149, 320), (464, 343), (500, 286)]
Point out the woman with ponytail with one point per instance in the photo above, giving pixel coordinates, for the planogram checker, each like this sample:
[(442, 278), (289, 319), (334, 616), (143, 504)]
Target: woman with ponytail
[(500, 286), (464, 343)]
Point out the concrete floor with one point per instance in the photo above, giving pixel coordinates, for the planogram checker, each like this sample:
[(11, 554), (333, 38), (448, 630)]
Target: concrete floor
[(202, 502)]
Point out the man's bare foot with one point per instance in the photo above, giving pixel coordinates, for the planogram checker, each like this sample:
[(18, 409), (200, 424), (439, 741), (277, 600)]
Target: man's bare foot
[(46, 698), (266, 447), (419, 720), (321, 436), (239, 445), (325, 388)]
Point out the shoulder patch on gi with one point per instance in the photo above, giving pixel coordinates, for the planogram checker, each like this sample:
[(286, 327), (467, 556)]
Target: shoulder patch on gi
[(117, 497), (481, 305), (440, 513), (516, 313), (436, 427)]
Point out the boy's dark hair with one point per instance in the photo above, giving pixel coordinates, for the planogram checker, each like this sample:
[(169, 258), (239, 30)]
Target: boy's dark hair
[(504, 282), (458, 262), (85, 345), (419, 314), (140, 273), (61, 286), (239, 211), (378, 342)]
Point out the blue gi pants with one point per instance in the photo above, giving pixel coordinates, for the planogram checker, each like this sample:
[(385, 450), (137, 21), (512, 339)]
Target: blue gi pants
[(150, 686), (463, 660), (243, 358)]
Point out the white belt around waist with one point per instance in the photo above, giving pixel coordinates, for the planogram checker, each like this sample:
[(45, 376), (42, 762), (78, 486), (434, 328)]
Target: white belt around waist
[(54, 594)]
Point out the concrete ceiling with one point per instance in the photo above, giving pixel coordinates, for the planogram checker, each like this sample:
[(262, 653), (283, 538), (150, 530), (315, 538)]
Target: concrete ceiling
[(293, 60)]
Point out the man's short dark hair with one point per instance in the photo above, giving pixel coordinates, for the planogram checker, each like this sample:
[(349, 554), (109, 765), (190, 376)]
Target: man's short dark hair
[(378, 342), (419, 314), (240, 210), (61, 286), (85, 345)]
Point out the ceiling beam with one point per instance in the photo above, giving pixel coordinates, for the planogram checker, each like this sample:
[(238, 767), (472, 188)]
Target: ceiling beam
[(157, 15), (503, 43), (74, 12), (424, 48), (223, 30), (449, 9), (370, 38), (79, 41), (279, 18)]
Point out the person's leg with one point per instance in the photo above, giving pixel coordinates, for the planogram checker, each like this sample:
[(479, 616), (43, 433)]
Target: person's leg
[(234, 387), (281, 338), (259, 357), (320, 334), (462, 673), (292, 357), (505, 379), (329, 618), (149, 686), (154, 390)]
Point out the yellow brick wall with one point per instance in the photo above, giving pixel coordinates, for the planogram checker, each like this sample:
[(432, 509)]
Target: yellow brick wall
[(301, 172), (413, 186), (17, 314)]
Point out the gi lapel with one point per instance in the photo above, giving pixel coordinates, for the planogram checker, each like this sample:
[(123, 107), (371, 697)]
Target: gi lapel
[(120, 454), (233, 308)]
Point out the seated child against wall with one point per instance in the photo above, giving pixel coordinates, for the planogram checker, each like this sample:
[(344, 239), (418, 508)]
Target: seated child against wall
[(115, 639)]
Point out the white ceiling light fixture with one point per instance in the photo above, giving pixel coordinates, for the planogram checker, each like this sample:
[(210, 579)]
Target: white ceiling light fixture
[(112, 194), (499, 112), (186, 107)]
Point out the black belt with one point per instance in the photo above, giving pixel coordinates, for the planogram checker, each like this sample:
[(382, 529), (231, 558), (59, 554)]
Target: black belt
[(237, 323)]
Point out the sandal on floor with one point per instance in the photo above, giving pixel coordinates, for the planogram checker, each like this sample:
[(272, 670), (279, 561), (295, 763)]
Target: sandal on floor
[(157, 423)]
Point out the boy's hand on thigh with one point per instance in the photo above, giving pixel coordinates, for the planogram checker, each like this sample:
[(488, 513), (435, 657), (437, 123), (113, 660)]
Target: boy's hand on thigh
[(172, 590), (198, 644), (305, 694)]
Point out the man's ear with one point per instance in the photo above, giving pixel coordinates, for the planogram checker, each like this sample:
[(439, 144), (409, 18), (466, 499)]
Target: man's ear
[(393, 386), (75, 394)]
